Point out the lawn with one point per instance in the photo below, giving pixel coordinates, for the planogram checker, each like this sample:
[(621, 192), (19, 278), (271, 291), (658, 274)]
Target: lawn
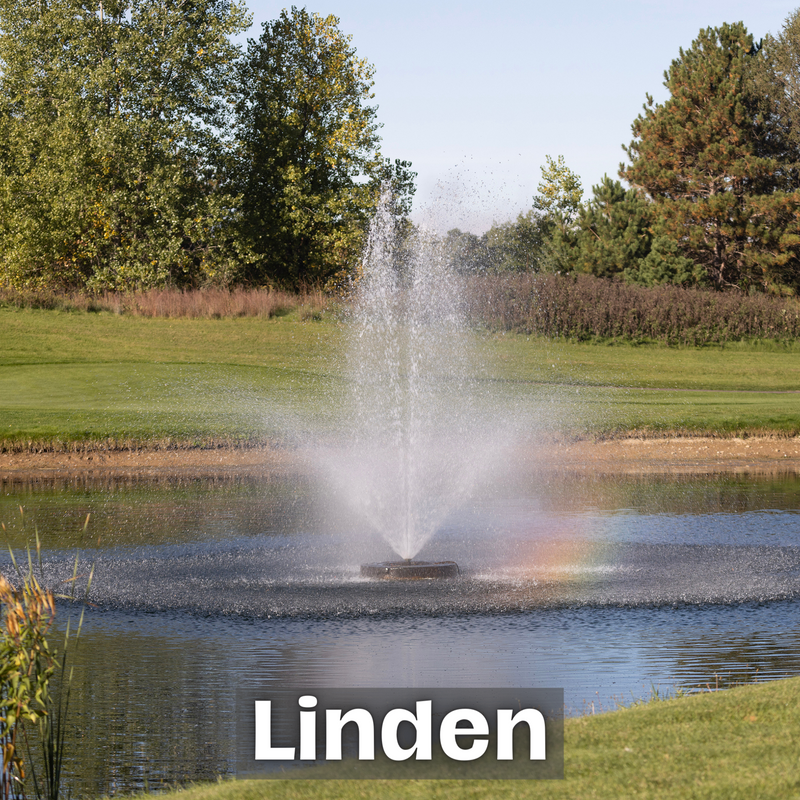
[(72, 377), (735, 744)]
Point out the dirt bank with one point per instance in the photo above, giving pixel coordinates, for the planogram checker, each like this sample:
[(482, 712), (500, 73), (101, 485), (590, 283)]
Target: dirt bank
[(684, 455), (620, 456)]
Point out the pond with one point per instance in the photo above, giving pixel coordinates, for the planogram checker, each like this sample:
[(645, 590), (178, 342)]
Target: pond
[(611, 588)]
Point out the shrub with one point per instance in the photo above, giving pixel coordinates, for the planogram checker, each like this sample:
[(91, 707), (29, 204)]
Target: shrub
[(211, 303), (585, 307)]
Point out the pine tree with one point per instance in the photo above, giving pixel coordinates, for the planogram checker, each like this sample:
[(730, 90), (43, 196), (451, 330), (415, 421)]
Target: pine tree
[(616, 234), (710, 162), (612, 231)]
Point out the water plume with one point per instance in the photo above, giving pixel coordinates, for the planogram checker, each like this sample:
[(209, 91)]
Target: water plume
[(417, 442)]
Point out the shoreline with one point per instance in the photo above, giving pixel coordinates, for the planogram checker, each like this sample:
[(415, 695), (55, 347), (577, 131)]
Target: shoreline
[(678, 455)]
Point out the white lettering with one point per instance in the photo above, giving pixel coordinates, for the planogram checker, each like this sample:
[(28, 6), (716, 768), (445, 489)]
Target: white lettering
[(334, 722), (308, 728), (449, 731), (264, 749), (505, 733), (422, 740), (458, 723)]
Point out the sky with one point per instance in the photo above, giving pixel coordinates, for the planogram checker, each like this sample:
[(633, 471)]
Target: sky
[(476, 95)]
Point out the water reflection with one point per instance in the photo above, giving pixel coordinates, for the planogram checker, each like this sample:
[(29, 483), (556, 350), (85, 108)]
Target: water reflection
[(135, 512), (597, 586), (155, 693)]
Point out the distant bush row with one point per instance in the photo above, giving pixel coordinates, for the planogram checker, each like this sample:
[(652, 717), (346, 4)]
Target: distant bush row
[(580, 307), (585, 307)]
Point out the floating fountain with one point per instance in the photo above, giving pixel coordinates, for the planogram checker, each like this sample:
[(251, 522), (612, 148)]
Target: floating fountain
[(417, 444), (411, 570)]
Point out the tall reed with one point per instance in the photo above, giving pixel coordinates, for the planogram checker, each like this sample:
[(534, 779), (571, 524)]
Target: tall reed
[(35, 687), (210, 303), (26, 666)]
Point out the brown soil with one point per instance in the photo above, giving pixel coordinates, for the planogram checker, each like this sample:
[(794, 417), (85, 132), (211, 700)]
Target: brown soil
[(684, 455), (618, 456), (148, 463)]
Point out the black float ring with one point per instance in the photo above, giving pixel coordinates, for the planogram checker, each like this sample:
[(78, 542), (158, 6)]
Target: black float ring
[(410, 570)]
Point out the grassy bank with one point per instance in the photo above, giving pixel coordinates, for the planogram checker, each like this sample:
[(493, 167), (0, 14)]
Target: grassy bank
[(68, 378), (738, 743)]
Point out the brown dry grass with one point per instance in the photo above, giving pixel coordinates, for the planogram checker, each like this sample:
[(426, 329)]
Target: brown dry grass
[(209, 303), (578, 307), (684, 455)]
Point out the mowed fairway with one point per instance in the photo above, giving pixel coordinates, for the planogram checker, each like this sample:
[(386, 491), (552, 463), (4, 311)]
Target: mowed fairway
[(73, 377), (95, 376)]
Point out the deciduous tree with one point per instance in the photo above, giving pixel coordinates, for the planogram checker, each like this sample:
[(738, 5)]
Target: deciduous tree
[(111, 128), (310, 167), (560, 190), (517, 246)]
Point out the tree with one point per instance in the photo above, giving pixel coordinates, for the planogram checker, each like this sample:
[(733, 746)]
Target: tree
[(112, 127), (309, 168), (617, 234), (558, 203), (467, 252), (517, 246), (710, 162), (774, 81), (560, 190), (666, 264), (611, 233)]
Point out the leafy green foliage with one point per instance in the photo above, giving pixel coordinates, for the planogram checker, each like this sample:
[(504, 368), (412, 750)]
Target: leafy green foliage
[(514, 246), (560, 191), (118, 167), (111, 163), (309, 167), (517, 246), (711, 163), (466, 251)]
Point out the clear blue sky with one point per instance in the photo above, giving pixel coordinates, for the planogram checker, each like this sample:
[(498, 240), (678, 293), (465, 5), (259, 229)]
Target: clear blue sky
[(475, 95)]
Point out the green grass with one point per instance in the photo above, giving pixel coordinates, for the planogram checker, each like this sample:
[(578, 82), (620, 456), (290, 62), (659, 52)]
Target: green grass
[(735, 744), (755, 366), (77, 377)]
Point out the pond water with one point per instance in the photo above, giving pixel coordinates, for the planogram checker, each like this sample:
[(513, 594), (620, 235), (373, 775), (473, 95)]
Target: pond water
[(608, 587)]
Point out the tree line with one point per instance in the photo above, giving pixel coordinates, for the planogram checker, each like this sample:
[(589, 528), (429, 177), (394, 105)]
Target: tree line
[(713, 194), (141, 147)]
